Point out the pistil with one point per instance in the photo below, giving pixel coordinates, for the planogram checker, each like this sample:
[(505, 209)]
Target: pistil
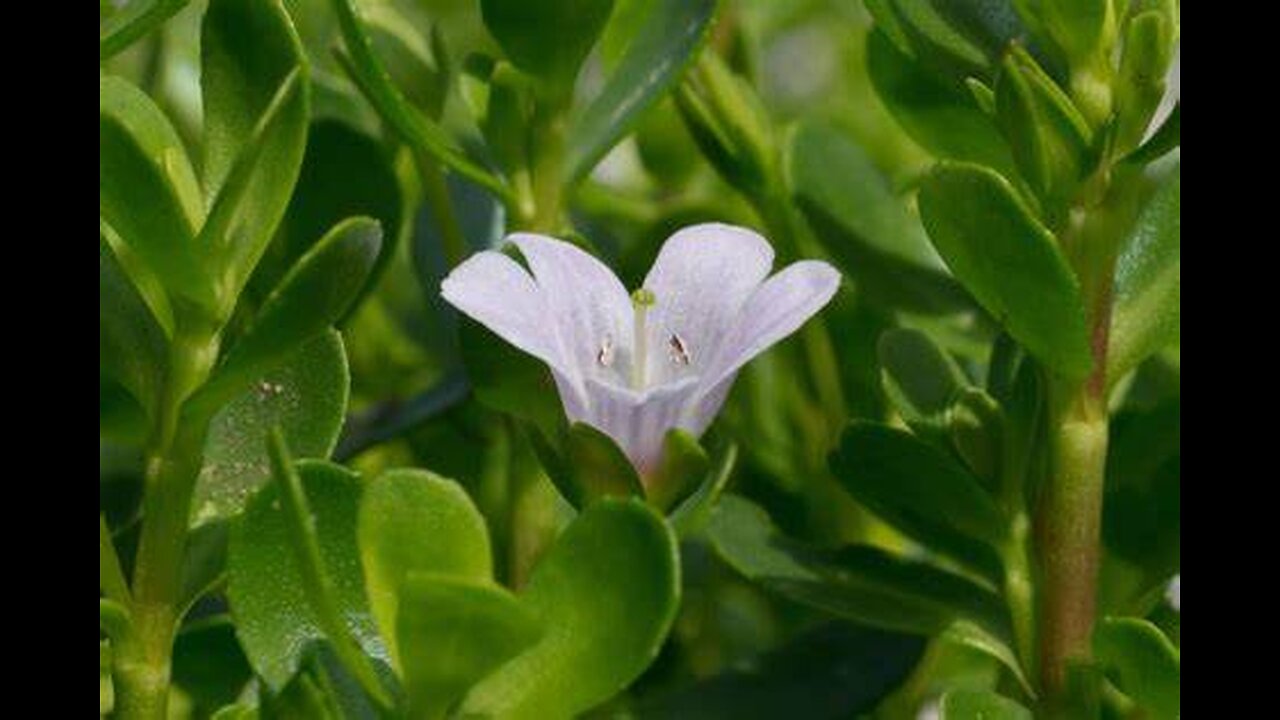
[(641, 301)]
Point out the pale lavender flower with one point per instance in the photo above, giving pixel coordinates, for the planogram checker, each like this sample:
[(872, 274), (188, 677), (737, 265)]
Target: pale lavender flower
[(664, 357)]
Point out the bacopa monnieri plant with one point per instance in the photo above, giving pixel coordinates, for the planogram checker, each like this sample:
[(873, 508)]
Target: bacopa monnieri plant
[(639, 358)]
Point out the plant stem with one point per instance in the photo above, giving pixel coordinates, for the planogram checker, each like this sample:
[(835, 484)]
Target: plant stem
[(173, 462), (1069, 532), (110, 576), (547, 147)]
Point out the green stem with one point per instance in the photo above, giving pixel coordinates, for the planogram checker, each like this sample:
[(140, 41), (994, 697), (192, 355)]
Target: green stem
[(1069, 513), (548, 150), (173, 462), (110, 576), (1070, 518)]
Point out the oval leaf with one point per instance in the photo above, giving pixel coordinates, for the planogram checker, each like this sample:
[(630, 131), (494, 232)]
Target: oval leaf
[(247, 50), (1009, 261), (919, 489), (275, 620), (453, 633), (315, 294), (1050, 139), (606, 594), (306, 396), (147, 191), (919, 376), (415, 521), (1148, 666), (1148, 290), (862, 583)]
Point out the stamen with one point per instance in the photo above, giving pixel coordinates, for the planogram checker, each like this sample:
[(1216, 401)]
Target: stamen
[(679, 354), (641, 301), (605, 356)]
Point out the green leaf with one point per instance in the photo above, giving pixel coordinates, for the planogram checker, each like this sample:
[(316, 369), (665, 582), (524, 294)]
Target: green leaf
[(132, 347), (136, 20), (275, 620), (606, 593), (315, 294), (306, 396), (317, 581), (548, 39), (668, 38), (454, 632), (415, 521), (936, 37), (920, 490), (1148, 289), (858, 582), (1050, 139), (729, 123), (968, 634), (1167, 137), (420, 67), (345, 173), (835, 670), (920, 377), (1009, 262), (691, 515), (419, 131), (981, 705), (866, 228), (1147, 666), (1084, 29), (684, 464), (251, 202), (587, 465), (113, 619), (147, 191), (976, 425), (941, 116), (1140, 84), (248, 48)]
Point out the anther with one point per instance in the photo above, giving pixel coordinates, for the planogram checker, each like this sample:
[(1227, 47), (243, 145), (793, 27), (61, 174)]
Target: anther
[(605, 356), (679, 353)]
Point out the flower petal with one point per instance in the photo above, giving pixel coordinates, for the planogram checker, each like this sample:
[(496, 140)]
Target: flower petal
[(639, 422), (585, 302), (775, 310), (495, 291), (701, 278)]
